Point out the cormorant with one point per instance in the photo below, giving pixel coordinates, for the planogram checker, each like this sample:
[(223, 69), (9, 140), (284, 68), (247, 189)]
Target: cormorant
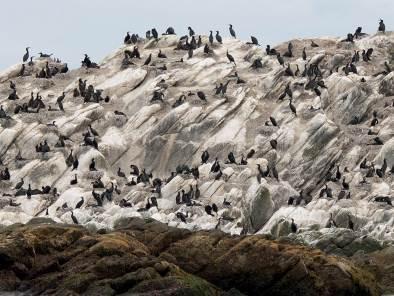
[(74, 218), (254, 41), (80, 203), (116, 112), (191, 31), (127, 38), (232, 32), (28, 192), (231, 157), (215, 208), (257, 64), (313, 44), (182, 216), (341, 194), (201, 95), (274, 143), (293, 226), (154, 202), (273, 121), (270, 51), (19, 184), (382, 26), (74, 181), (304, 54), (92, 165), (230, 58), (215, 166), (199, 42), (218, 37), (45, 55), (70, 159), (297, 72), (280, 59), (97, 197), (243, 161), (135, 170), (239, 79), (345, 185), (161, 55), (31, 63), (377, 141), (211, 37), (75, 164), (64, 69), (208, 210), (21, 71), (148, 60), (121, 174), (250, 153), (155, 34), (26, 55)]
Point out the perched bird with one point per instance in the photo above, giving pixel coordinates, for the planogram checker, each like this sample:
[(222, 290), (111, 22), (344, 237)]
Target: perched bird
[(121, 174), (293, 226), (74, 218), (148, 60), (382, 26), (210, 37), (218, 37), (314, 44), (230, 58), (74, 181), (232, 32), (19, 184), (80, 203), (201, 95), (292, 107), (26, 55), (254, 40), (204, 156)]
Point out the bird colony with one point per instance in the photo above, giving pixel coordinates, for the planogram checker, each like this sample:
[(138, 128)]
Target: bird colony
[(206, 132)]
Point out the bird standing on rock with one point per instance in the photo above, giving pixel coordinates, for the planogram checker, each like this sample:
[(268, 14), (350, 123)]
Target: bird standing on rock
[(382, 26), (218, 37), (26, 55), (232, 32), (230, 58), (201, 95)]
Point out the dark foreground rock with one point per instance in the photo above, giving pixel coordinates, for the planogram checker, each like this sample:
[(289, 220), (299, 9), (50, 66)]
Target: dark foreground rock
[(149, 258)]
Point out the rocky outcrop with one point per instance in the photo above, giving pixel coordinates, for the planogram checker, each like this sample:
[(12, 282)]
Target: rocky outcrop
[(381, 264), (150, 258)]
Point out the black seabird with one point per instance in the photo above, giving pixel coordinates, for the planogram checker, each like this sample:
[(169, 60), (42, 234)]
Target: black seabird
[(218, 37), (232, 32), (26, 55)]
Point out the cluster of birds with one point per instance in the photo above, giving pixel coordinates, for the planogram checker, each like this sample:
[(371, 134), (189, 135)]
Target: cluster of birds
[(190, 198), (45, 72)]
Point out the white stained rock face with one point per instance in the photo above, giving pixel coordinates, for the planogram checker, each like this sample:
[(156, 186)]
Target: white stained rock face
[(303, 146)]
